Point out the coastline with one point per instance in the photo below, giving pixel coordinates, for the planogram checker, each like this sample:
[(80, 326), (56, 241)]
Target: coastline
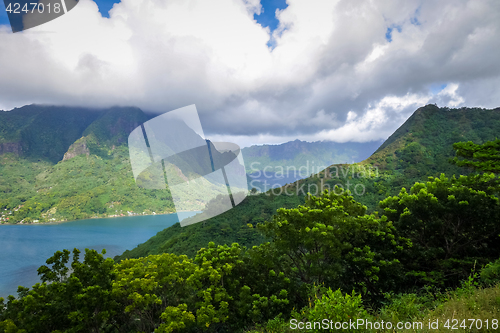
[(96, 217)]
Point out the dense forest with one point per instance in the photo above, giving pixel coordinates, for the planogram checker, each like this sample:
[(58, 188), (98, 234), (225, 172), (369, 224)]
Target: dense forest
[(417, 248)]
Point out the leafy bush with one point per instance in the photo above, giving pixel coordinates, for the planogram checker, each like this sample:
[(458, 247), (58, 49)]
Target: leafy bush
[(8, 326), (490, 274), (334, 306)]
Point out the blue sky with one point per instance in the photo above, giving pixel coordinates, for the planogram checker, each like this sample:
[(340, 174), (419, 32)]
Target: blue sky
[(267, 17), (3, 16)]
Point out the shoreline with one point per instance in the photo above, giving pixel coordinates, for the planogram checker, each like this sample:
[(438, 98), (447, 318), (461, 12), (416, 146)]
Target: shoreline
[(95, 218)]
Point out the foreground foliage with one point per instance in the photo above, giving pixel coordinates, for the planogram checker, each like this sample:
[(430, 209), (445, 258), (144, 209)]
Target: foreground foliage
[(325, 258), (224, 287), (452, 227)]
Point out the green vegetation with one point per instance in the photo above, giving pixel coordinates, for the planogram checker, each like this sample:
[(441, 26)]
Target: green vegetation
[(429, 254), (81, 187), (469, 308), (38, 132), (370, 182), (339, 245), (462, 228), (227, 228), (478, 157), (326, 257), (422, 147), (86, 172), (95, 180)]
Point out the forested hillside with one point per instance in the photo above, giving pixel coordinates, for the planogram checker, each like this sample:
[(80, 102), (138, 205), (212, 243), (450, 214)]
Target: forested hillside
[(420, 148), (60, 163)]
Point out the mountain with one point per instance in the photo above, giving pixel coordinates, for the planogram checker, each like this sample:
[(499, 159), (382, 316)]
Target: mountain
[(64, 163), (46, 133), (276, 165), (420, 148), (295, 153), (43, 133), (426, 138)]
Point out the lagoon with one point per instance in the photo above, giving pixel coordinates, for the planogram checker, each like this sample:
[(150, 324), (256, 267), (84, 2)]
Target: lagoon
[(24, 248)]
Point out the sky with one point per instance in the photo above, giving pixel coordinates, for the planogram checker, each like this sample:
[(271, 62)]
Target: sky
[(262, 72)]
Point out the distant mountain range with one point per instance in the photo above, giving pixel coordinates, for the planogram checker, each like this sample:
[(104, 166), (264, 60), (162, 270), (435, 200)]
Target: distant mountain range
[(64, 163), (276, 165)]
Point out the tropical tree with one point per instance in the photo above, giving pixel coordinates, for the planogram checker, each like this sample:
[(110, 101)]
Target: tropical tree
[(78, 302), (168, 293), (450, 225), (484, 157), (331, 241), (257, 291), (483, 160)]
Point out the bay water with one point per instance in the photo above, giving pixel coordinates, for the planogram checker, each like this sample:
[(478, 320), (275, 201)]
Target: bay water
[(24, 248)]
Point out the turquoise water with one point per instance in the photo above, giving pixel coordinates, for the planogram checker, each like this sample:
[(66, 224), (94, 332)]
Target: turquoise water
[(24, 248)]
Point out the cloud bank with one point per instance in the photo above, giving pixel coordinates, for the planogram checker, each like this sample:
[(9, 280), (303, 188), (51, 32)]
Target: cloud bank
[(344, 70)]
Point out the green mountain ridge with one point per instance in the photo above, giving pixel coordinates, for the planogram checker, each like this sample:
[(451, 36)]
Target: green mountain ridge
[(39, 133), (426, 138), (71, 163), (420, 148)]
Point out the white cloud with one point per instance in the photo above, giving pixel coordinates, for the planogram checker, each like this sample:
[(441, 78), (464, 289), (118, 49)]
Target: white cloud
[(332, 74), (450, 93), (378, 122)]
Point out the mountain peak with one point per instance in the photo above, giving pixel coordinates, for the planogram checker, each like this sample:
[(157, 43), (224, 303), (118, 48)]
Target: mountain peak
[(44, 132), (429, 133)]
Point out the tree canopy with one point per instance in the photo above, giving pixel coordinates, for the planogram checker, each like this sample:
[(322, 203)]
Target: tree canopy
[(481, 157)]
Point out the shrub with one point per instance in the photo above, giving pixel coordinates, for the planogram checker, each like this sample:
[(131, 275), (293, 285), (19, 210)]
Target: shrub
[(490, 274), (334, 306)]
